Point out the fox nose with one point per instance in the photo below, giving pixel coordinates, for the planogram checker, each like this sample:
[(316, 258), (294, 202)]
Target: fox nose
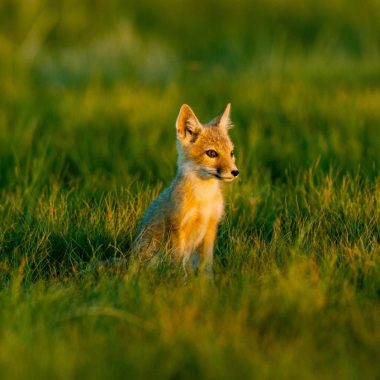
[(235, 173)]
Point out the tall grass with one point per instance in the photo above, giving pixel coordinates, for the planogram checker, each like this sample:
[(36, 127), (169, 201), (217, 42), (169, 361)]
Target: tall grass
[(88, 98)]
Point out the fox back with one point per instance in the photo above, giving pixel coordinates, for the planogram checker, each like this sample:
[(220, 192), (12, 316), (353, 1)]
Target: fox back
[(185, 216)]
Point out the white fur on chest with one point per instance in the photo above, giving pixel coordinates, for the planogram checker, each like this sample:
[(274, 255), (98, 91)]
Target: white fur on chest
[(207, 206), (209, 200)]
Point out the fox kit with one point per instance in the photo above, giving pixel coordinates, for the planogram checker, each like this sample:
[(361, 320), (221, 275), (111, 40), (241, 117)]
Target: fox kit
[(185, 216)]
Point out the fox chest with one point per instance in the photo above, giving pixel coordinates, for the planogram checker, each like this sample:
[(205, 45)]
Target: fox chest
[(197, 215)]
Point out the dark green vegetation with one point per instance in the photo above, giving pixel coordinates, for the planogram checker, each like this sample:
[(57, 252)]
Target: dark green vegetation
[(89, 92)]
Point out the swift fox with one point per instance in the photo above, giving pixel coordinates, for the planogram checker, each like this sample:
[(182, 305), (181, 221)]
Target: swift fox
[(185, 216)]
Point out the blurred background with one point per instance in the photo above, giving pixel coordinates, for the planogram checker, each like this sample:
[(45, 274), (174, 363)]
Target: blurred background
[(89, 94), (91, 89)]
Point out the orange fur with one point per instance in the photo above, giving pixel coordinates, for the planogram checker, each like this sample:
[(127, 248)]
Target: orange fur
[(186, 215)]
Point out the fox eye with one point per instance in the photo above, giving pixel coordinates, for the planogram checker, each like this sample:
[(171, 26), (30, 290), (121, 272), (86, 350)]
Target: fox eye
[(232, 154), (212, 153)]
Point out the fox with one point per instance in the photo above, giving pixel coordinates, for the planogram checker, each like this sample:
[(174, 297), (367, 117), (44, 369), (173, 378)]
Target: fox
[(184, 218)]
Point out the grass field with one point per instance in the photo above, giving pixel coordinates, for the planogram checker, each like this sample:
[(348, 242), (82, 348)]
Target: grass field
[(89, 93)]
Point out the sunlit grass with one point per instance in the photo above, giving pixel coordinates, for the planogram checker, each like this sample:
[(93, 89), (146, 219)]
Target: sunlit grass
[(89, 95)]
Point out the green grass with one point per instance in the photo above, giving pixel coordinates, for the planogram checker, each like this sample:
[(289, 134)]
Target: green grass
[(89, 95)]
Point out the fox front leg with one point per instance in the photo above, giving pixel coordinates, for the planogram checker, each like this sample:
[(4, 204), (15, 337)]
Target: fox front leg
[(181, 253), (207, 251)]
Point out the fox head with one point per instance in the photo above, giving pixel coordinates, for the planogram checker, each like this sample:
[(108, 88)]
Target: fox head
[(206, 150)]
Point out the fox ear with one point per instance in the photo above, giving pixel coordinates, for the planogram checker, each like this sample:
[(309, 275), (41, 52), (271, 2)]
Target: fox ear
[(188, 126), (223, 120)]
